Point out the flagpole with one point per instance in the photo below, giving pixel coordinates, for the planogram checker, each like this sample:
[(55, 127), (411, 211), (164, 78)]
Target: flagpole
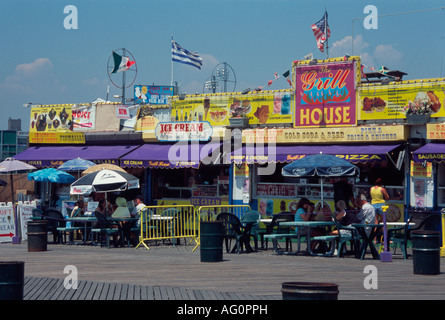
[(124, 52), (326, 33), (171, 83)]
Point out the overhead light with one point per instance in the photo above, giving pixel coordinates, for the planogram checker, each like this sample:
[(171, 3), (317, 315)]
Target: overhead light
[(245, 91), (313, 62)]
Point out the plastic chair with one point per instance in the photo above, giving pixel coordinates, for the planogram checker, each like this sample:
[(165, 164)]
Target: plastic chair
[(232, 229), (399, 236), (37, 214), (274, 227), (105, 228), (251, 219), (55, 221), (63, 230), (350, 235)]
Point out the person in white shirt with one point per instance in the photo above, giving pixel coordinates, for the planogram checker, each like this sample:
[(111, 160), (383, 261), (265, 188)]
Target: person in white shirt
[(367, 213), (139, 205)]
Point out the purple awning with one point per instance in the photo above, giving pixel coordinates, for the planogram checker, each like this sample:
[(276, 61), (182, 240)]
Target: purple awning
[(178, 155), (55, 156), (287, 154), (431, 152)]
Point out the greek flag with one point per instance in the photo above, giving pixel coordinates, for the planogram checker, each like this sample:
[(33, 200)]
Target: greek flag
[(179, 54)]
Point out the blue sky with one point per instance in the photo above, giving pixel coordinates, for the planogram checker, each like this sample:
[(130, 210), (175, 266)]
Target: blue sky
[(44, 63)]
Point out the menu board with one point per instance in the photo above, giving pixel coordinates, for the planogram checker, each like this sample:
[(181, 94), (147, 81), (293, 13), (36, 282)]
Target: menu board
[(217, 109), (391, 101)]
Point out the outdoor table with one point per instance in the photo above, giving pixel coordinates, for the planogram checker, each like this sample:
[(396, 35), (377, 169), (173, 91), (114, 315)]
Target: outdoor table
[(368, 240), (85, 220), (309, 225), (245, 238), (123, 230)]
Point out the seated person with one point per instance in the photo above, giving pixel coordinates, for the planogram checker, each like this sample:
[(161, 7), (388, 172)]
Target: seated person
[(104, 207), (78, 209), (121, 210), (345, 218)]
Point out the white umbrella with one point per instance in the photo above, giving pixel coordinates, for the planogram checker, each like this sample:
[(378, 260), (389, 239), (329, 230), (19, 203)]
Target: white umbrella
[(104, 181), (10, 165)]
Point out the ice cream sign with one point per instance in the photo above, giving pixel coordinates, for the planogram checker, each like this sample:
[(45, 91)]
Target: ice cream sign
[(325, 94), (184, 131)]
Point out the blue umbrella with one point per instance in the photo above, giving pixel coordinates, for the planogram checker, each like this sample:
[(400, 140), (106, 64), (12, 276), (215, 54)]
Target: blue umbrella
[(51, 175), (320, 165), (78, 164)]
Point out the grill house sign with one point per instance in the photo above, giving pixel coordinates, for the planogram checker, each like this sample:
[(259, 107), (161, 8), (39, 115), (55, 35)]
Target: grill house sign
[(184, 131)]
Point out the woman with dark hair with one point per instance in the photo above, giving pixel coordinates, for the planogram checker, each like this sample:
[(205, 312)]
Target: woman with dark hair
[(303, 214), (379, 196)]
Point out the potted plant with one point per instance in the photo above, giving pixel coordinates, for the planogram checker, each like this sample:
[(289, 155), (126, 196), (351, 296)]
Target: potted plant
[(419, 110), (238, 116)]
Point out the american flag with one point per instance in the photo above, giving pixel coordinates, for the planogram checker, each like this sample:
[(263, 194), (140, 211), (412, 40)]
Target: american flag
[(319, 29)]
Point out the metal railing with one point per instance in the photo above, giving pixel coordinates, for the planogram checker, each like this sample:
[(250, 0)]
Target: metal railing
[(179, 221)]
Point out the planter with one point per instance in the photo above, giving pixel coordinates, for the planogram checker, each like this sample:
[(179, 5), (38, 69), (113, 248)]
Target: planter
[(418, 118), (239, 122)]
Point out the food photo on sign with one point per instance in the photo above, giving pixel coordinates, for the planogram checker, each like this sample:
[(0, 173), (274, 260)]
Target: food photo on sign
[(400, 99), (51, 119)]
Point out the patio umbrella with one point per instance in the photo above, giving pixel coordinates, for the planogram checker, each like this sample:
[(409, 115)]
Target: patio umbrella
[(51, 175), (103, 181), (320, 165), (77, 164), (10, 165), (102, 166)]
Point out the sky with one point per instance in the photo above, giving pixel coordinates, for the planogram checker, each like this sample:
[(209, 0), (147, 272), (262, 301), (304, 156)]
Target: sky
[(43, 62)]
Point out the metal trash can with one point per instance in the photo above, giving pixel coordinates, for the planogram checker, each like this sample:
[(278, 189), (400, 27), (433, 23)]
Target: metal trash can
[(37, 235), (309, 291), (12, 277), (426, 252), (211, 238)]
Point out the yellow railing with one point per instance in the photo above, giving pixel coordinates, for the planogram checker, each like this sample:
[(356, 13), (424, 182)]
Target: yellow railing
[(167, 222), (209, 213), (179, 221)]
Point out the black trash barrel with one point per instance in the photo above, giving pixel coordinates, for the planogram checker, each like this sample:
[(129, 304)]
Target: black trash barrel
[(309, 291), (212, 233), (37, 235), (12, 276), (426, 252)]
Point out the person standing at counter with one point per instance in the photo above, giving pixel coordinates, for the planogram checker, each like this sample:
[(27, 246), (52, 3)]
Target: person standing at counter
[(379, 196), (343, 191)]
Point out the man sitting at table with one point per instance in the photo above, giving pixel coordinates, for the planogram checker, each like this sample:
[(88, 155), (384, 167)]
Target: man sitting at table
[(367, 213), (345, 218), (121, 210), (138, 201)]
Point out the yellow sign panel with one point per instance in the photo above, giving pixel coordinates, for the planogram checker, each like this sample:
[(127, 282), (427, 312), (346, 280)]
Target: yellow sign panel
[(52, 118), (378, 102), (435, 131), (327, 135), (53, 124), (56, 137), (259, 108)]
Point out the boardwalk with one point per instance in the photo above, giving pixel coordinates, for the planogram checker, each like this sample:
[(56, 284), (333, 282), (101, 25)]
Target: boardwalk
[(176, 273)]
